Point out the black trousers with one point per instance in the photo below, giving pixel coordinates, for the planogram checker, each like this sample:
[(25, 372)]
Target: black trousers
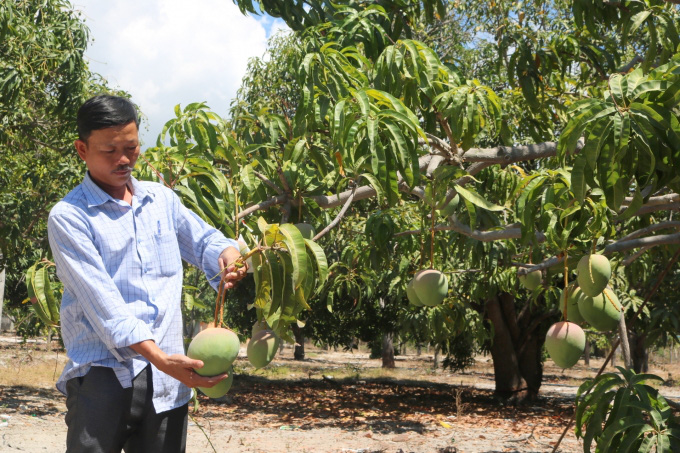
[(103, 417)]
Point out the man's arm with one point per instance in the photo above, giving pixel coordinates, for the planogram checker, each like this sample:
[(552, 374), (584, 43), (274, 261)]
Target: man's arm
[(81, 269)]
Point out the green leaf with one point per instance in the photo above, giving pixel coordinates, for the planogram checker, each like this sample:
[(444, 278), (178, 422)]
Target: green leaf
[(295, 244), (41, 285), (476, 199), (634, 205), (373, 182)]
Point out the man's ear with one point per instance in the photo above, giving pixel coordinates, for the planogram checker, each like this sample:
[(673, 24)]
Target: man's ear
[(81, 147)]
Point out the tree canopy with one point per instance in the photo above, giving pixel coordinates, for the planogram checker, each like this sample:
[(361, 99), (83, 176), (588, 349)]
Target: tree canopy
[(44, 78)]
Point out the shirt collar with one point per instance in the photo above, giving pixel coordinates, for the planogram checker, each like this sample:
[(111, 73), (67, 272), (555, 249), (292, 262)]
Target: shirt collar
[(96, 196)]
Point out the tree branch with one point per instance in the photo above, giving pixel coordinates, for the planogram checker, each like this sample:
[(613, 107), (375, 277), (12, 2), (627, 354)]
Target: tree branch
[(615, 247), (653, 201), (634, 256), (363, 192), (280, 199), (268, 182), (513, 231), (651, 228), (506, 155), (651, 241), (647, 209), (338, 217)]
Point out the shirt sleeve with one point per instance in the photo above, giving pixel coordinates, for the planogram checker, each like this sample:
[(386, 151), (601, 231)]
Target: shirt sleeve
[(200, 244), (81, 269)]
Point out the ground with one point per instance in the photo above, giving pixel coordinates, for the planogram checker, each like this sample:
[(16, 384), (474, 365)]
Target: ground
[(334, 401)]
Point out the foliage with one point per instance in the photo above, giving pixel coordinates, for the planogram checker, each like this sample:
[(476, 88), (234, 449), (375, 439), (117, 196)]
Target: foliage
[(621, 413), (43, 80)]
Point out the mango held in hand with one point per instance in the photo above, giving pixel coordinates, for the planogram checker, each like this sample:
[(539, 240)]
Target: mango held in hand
[(603, 311), (262, 348), (532, 280), (221, 388), (565, 343), (594, 272), (430, 287), (573, 313), (217, 348)]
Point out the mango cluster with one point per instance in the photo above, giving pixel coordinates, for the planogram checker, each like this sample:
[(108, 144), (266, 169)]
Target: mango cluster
[(589, 300), (217, 348)]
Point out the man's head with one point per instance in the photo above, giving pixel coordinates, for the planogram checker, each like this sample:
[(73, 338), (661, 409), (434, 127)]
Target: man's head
[(108, 141), (102, 111)]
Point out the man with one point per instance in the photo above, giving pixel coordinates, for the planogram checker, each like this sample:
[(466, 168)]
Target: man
[(118, 244)]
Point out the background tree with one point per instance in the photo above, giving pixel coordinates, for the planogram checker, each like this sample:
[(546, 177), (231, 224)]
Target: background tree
[(44, 78)]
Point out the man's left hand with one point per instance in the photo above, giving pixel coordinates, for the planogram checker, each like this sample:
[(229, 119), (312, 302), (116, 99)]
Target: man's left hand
[(226, 261)]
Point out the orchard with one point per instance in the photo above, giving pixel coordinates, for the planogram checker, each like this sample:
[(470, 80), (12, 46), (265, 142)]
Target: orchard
[(483, 177)]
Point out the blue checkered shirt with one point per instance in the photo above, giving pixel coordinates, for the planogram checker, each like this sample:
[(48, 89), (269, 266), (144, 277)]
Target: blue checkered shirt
[(121, 266)]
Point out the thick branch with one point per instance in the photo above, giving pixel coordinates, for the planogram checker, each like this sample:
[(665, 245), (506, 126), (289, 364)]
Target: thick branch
[(280, 199), (363, 192), (506, 155), (654, 201)]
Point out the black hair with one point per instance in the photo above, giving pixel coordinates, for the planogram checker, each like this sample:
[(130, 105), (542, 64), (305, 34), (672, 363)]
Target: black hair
[(104, 110)]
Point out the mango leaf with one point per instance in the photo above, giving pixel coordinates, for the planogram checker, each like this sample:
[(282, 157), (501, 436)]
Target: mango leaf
[(41, 285), (320, 258), (295, 244), (476, 199)]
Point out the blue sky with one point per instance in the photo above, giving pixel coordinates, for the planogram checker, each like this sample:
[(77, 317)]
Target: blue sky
[(168, 52)]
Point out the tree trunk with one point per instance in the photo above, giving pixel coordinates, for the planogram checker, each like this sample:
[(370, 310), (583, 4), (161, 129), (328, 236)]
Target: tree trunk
[(639, 353), (2, 291), (586, 359), (299, 352), (419, 349), (436, 357), (516, 349), (387, 351), (625, 347)]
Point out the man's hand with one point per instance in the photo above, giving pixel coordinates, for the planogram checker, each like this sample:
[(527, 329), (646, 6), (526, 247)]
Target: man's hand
[(177, 366), (182, 368), (231, 272)]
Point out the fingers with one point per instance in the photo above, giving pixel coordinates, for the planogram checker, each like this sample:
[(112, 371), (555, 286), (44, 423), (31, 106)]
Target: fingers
[(196, 380)]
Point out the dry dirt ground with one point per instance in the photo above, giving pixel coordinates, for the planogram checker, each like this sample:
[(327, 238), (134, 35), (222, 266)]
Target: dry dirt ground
[(331, 402)]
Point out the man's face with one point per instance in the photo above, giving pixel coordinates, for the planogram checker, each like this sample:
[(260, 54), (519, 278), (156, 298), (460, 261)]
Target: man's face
[(110, 155)]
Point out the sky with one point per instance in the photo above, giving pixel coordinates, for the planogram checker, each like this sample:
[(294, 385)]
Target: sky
[(168, 52)]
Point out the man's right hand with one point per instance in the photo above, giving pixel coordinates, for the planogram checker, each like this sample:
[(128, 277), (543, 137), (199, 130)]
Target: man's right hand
[(177, 366)]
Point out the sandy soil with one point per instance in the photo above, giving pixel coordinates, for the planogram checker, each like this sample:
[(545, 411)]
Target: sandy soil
[(331, 402)]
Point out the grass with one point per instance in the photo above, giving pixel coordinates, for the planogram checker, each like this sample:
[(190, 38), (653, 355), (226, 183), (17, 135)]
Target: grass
[(30, 365)]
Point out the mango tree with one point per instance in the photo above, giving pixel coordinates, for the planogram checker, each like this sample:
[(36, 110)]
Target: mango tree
[(44, 78), (362, 78)]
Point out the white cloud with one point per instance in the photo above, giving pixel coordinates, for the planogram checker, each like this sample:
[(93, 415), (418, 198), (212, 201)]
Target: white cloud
[(168, 52)]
